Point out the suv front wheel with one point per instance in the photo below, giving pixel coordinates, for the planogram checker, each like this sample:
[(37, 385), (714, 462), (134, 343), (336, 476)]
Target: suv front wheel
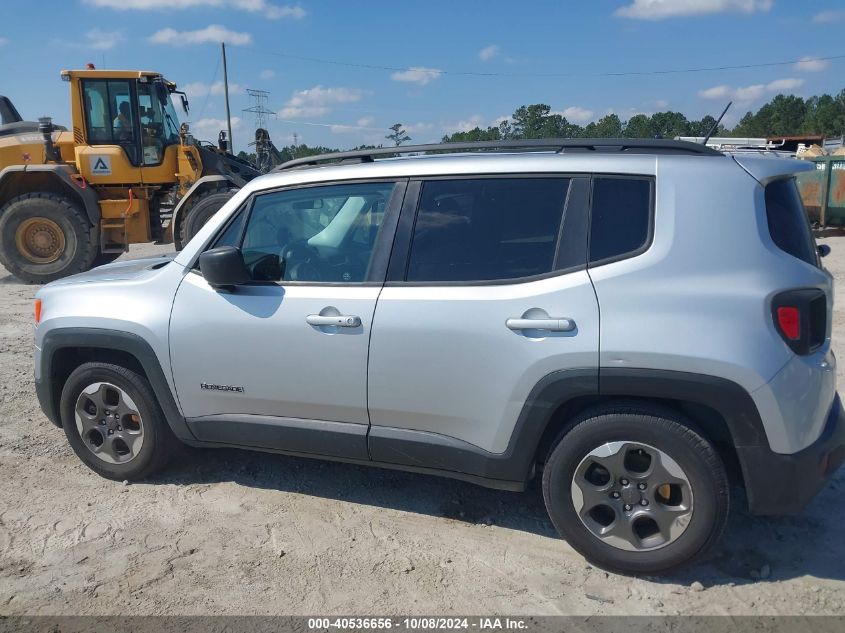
[(636, 490), (114, 423)]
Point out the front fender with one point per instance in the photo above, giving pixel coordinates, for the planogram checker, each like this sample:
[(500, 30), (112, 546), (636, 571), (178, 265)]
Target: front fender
[(77, 337)]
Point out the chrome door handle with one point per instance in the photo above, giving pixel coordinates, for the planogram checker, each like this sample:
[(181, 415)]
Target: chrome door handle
[(553, 325), (341, 320)]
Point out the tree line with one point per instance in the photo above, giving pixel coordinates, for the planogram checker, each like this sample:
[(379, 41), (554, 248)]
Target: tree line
[(784, 115)]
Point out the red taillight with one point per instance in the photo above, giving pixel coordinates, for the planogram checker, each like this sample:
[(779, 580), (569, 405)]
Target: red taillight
[(789, 322)]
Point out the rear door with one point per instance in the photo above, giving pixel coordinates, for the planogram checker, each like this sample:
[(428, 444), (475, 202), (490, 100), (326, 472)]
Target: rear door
[(487, 293)]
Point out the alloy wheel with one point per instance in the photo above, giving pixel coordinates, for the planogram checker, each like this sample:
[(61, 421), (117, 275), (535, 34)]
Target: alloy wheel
[(632, 496), (109, 423)]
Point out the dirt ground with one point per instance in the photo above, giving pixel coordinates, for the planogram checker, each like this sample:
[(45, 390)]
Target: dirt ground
[(234, 532)]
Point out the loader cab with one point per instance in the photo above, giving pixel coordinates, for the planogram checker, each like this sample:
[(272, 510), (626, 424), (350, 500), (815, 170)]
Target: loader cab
[(124, 123)]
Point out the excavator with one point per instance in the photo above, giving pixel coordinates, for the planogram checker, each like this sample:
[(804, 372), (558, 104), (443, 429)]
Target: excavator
[(125, 172)]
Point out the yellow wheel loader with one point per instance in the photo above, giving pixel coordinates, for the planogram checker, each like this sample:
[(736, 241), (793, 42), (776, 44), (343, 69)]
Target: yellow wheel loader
[(73, 199)]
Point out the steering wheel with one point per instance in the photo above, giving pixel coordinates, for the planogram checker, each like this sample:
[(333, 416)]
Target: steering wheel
[(299, 257)]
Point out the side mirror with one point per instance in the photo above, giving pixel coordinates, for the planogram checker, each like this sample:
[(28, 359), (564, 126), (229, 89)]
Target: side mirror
[(224, 267), (824, 250), (185, 105)]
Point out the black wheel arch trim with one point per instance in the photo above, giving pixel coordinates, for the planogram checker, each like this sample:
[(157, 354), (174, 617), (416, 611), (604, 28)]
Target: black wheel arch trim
[(75, 338), (553, 391)]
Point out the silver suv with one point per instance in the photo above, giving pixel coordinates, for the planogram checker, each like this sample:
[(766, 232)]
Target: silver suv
[(632, 319)]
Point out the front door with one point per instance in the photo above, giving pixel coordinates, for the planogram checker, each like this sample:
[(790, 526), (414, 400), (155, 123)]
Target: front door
[(492, 296), (113, 151), (281, 362)]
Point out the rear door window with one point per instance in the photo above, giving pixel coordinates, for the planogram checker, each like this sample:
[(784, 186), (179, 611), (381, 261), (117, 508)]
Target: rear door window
[(788, 223), (486, 229)]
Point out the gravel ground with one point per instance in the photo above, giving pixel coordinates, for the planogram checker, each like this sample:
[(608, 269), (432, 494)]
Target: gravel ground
[(233, 532)]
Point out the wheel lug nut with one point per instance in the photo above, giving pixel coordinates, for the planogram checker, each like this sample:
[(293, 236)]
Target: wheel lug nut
[(614, 494), (644, 502), (102, 422), (627, 507), (119, 428), (108, 412), (624, 482), (641, 486), (111, 432)]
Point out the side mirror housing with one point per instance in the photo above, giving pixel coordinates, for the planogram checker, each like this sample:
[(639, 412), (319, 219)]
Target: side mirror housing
[(824, 250), (224, 267)]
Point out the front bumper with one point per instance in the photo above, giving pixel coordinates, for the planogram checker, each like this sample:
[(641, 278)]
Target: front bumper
[(45, 399), (783, 484)]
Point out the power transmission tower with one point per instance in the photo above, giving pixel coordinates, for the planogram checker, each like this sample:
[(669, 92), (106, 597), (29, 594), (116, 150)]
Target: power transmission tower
[(262, 143)]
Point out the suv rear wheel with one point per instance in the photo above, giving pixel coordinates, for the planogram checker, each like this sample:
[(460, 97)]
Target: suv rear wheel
[(636, 490), (113, 422)]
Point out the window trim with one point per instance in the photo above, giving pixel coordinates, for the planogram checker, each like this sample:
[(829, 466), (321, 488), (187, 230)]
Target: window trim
[(651, 221), (381, 249), (400, 258)]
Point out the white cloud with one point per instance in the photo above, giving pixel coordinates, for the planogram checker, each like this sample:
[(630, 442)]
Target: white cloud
[(267, 74), (661, 103), (209, 128), (364, 123), (747, 94), (214, 33), (784, 84), (489, 52), (576, 114), (470, 123), (269, 10), (317, 101), (716, 92), (417, 74), (811, 65), (3, 41), (103, 40), (662, 9), (829, 16), (200, 89), (416, 128)]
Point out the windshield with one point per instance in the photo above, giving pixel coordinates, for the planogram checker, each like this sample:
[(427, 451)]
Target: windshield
[(171, 120)]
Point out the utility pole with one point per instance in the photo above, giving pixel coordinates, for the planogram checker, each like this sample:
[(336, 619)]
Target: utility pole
[(226, 92)]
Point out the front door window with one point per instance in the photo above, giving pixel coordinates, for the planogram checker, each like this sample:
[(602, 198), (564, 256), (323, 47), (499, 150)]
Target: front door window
[(315, 234)]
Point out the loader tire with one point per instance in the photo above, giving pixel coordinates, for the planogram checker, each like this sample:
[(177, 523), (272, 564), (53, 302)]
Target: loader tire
[(201, 211), (45, 236)]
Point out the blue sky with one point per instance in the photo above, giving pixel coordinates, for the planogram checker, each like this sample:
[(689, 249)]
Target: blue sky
[(392, 56)]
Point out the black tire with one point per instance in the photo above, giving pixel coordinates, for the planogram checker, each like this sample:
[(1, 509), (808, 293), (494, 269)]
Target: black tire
[(158, 439), (201, 211), (667, 433), (80, 238)]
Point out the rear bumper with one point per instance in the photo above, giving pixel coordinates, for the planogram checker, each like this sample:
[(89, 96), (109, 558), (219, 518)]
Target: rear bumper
[(783, 484)]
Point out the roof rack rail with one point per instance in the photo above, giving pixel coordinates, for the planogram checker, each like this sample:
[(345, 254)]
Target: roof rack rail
[(559, 145)]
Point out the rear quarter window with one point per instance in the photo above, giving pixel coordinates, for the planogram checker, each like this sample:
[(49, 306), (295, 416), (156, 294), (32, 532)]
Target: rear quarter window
[(788, 223), (620, 220)]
